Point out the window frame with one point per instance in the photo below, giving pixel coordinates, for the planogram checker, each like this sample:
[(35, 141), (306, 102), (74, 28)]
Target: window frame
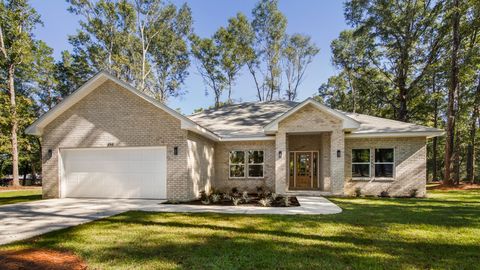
[(392, 163), (246, 164), (230, 164), (369, 163)]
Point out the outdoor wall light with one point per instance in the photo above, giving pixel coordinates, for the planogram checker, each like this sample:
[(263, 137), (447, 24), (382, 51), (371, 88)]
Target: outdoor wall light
[(339, 153), (175, 150), (279, 154), (110, 144), (49, 153)]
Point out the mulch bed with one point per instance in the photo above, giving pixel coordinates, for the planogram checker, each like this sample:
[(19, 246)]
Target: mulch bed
[(40, 259), (254, 201), (462, 186)]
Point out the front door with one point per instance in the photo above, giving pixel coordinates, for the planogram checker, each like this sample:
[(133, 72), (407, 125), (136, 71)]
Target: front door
[(303, 170)]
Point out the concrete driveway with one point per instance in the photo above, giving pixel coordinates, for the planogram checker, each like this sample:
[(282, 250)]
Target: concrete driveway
[(24, 220)]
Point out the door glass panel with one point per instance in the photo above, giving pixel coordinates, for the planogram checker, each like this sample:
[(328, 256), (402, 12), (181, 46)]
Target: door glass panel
[(303, 164)]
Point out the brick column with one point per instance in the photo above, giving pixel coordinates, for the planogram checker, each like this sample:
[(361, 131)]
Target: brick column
[(281, 163), (337, 169)]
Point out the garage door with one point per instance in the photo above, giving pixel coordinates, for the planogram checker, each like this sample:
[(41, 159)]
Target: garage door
[(114, 172)]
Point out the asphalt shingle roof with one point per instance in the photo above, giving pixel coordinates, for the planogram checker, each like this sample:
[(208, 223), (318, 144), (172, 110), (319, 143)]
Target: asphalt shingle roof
[(248, 119)]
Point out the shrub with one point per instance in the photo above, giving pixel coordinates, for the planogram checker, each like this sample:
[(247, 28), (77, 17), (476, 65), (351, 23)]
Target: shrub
[(265, 202), (206, 201), (245, 196), (236, 201), (216, 197), (274, 196), (235, 191), (286, 201), (358, 192), (413, 193), (384, 194), (203, 195), (227, 197)]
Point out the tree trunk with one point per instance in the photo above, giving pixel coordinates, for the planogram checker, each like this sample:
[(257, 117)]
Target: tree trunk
[(435, 139), (13, 114), (452, 94), (473, 134)]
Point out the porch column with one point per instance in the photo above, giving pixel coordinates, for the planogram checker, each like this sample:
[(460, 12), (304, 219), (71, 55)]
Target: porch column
[(281, 163), (337, 170)]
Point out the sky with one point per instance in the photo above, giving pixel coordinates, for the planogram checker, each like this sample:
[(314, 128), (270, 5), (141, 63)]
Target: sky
[(323, 20)]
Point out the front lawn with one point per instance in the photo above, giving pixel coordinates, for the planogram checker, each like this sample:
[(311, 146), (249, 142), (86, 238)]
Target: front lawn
[(16, 196), (441, 232)]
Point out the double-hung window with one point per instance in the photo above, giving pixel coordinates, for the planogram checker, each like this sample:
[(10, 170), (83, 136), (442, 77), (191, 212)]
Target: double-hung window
[(246, 164), (360, 163), (384, 162)]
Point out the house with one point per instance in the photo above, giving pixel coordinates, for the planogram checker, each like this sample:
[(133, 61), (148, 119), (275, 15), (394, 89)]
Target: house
[(108, 140)]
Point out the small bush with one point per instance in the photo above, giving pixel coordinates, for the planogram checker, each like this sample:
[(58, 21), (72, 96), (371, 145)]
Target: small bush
[(236, 201), (358, 192), (274, 196), (216, 197), (413, 193), (235, 191), (206, 201), (286, 201), (245, 196), (384, 194), (227, 197), (203, 195), (265, 202)]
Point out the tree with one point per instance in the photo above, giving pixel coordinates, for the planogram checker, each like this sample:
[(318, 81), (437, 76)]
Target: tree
[(209, 65), (70, 73), (298, 53), (452, 93), (235, 44), (143, 42), (16, 47), (269, 25), (170, 52), (407, 39)]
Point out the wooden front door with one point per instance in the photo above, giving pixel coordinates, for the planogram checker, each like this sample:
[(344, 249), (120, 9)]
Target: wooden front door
[(303, 170)]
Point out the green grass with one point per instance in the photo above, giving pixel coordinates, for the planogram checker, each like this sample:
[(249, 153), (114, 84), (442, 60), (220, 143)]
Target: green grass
[(9, 197), (441, 232)]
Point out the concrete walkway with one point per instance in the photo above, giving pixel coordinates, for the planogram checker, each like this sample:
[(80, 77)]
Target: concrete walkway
[(308, 206), (24, 220)]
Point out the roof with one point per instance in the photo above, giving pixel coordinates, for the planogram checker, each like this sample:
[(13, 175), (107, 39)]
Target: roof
[(251, 118), (37, 127), (244, 121)]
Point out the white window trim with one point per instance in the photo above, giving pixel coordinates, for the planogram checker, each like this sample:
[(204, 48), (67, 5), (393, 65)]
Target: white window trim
[(369, 163), (246, 164), (392, 163)]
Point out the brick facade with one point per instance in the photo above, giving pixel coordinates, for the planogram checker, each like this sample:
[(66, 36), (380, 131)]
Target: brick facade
[(311, 120), (111, 114), (410, 166), (222, 179)]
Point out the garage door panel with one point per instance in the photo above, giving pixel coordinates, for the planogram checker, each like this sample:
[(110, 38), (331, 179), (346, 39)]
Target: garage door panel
[(115, 172)]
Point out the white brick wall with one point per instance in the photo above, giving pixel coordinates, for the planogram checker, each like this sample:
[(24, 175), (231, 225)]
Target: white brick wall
[(410, 166), (111, 114)]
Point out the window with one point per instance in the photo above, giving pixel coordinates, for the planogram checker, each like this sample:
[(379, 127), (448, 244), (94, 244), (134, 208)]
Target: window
[(237, 164), (360, 163), (250, 161), (255, 163), (384, 162)]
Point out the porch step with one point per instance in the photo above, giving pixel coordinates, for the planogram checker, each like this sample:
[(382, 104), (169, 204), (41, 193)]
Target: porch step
[(308, 193)]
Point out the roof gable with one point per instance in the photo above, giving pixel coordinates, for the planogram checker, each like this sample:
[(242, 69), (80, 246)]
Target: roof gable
[(37, 127), (348, 123)]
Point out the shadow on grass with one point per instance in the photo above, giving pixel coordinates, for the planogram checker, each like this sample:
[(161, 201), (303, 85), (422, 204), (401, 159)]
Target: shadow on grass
[(21, 198)]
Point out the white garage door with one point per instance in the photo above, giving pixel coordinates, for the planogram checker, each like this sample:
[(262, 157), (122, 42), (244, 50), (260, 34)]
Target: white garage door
[(114, 172)]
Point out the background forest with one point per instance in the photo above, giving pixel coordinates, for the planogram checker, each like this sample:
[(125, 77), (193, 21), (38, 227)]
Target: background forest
[(415, 60)]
